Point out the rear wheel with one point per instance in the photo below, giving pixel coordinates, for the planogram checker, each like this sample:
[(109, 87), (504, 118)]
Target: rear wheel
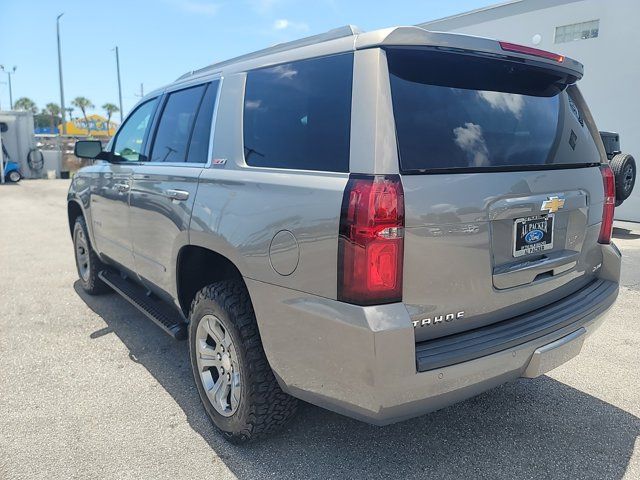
[(236, 385), (624, 169), (14, 176), (87, 261)]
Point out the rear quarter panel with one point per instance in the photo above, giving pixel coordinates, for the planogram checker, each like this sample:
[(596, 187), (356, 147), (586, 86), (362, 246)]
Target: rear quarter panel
[(239, 209)]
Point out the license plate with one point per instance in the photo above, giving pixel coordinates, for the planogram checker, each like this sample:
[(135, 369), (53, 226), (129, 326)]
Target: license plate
[(532, 235)]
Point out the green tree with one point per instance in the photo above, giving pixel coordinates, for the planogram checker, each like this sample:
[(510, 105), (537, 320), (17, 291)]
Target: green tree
[(54, 111), (84, 104), (41, 120), (110, 109), (26, 104)]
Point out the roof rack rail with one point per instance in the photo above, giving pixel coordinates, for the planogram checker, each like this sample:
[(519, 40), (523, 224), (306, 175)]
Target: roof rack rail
[(340, 32)]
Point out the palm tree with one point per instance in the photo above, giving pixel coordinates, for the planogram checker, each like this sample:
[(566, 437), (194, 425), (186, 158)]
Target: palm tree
[(110, 108), (84, 104), (26, 104), (53, 110)]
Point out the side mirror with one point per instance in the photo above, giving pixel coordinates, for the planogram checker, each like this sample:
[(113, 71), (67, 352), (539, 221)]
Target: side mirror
[(3, 127), (90, 149)]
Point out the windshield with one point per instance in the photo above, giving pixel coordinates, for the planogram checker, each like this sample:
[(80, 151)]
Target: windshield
[(455, 111)]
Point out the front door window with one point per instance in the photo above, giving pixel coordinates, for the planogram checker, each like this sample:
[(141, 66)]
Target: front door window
[(129, 140)]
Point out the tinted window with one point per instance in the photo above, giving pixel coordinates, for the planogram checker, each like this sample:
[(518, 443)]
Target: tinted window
[(298, 115), (174, 129), (129, 139), (199, 146), (501, 115)]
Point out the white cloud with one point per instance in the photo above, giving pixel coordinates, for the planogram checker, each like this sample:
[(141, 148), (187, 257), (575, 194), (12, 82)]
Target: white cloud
[(281, 24), (200, 8), (284, 24)]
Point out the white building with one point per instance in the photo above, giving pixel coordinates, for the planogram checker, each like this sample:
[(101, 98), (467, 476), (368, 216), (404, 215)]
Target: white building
[(601, 34)]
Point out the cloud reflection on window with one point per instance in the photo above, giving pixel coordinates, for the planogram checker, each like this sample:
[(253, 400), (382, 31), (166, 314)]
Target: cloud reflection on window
[(285, 71), (252, 104), (505, 102), (471, 140)]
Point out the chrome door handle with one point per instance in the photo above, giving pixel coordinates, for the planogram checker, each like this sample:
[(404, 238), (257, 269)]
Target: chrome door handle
[(179, 195), (122, 187)]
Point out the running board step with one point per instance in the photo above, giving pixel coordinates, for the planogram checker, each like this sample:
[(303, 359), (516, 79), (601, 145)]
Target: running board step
[(163, 315)]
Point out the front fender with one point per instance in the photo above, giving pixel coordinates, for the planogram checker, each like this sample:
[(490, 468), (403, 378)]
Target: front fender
[(79, 194)]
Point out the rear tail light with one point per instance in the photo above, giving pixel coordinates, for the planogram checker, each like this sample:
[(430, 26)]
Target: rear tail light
[(371, 241), (609, 204), (513, 47)]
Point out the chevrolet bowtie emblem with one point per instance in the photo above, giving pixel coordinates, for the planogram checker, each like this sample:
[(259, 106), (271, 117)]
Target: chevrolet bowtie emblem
[(553, 204)]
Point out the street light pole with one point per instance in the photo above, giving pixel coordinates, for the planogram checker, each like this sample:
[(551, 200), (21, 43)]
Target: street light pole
[(119, 84), (9, 73), (10, 90), (62, 109)]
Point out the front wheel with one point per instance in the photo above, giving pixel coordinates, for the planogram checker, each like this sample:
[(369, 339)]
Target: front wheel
[(236, 385), (87, 261)]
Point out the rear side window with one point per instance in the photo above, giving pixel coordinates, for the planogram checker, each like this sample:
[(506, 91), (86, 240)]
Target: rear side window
[(174, 128), (455, 111), (298, 115), (199, 146)]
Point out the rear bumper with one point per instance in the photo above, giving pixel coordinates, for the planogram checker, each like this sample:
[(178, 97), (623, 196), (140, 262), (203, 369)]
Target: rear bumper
[(361, 361), (551, 322)]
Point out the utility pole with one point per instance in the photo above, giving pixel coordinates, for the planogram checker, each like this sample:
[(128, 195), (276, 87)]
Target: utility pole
[(119, 84), (62, 109), (141, 94), (9, 73)]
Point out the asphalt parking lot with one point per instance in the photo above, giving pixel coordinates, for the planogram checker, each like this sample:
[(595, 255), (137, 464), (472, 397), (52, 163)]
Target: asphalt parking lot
[(89, 388)]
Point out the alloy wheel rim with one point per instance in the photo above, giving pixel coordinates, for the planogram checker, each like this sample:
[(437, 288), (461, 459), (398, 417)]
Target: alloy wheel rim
[(628, 178), (14, 176), (82, 254), (217, 363)]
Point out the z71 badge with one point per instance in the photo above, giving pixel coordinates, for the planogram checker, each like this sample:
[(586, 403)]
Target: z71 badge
[(435, 320)]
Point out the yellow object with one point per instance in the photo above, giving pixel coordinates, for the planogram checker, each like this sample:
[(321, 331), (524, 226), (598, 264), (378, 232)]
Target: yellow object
[(553, 204), (97, 126)]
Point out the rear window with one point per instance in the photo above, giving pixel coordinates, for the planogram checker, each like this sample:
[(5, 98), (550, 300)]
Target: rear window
[(298, 115), (457, 111)]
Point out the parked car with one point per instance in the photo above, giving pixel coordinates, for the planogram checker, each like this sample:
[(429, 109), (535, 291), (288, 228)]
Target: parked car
[(381, 224), (10, 169), (12, 172)]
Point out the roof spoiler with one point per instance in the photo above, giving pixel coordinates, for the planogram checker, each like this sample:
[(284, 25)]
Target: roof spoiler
[(416, 36)]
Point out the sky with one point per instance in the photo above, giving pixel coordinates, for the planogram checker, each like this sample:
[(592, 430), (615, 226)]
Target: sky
[(160, 40)]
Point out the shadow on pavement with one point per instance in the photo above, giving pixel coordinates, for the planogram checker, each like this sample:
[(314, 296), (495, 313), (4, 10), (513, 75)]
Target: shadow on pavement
[(526, 429), (624, 233)]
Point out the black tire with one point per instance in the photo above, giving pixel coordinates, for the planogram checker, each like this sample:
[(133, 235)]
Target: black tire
[(263, 407), (624, 169), (88, 275)]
